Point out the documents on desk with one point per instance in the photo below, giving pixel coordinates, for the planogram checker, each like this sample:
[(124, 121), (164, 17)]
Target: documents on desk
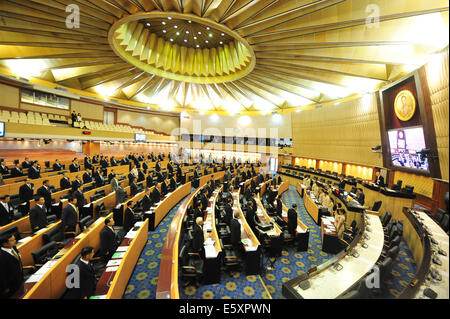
[(207, 226), (114, 262), (118, 255), (42, 271), (122, 248), (24, 240), (300, 230), (131, 234), (87, 205), (111, 269), (139, 224)]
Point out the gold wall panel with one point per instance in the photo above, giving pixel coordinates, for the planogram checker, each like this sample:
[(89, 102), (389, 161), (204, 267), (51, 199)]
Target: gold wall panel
[(10, 96), (344, 132), (422, 185), (88, 110), (159, 123), (43, 109), (437, 77)]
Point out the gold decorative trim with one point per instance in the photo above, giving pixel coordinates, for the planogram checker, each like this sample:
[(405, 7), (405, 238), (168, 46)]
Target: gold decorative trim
[(405, 108), (153, 54)]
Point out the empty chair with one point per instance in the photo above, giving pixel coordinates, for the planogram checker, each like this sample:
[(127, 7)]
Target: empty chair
[(439, 215), (385, 269), (86, 222), (408, 189), (387, 217), (231, 260), (444, 223), (44, 254), (191, 268), (376, 205), (55, 234)]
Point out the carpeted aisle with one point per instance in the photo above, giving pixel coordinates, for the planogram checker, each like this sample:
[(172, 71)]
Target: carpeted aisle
[(144, 280)]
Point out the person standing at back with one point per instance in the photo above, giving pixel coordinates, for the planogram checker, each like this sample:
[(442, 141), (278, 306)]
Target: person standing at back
[(87, 281), (11, 271)]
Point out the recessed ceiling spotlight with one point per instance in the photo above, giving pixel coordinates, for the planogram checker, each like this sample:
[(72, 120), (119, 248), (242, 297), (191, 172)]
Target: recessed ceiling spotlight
[(148, 24), (195, 38), (221, 42), (198, 46), (189, 21), (163, 23), (199, 32), (185, 40), (175, 26), (208, 28), (206, 41), (171, 40), (222, 34), (178, 33), (170, 18), (187, 31), (210, 35), (164, 31)]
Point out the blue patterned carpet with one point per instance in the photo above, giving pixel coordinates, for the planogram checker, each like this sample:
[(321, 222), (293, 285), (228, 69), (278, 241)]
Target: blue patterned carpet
[(144, 280)]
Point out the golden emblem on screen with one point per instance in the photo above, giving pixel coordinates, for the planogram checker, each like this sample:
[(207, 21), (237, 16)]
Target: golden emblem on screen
[(405, 105)]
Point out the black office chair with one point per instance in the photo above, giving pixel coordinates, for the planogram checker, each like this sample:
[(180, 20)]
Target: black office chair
[(354, 294), (231, 259), (387, 217), (376, 206), (408, 189), (55, 234), (51, 219), (353, 190), (191, 266), (385, 271), (444, 223), (391, 244), (397, 186), (85, 222), (12, 230), (44, 254), (439, 215)]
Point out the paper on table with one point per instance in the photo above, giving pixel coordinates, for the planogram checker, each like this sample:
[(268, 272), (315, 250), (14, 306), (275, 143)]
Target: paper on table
[(35, 278), (111, 269), (300, 230), (24, 240), (131, 234), (138, 224), (98, 297), (210, 251), (115, 262), (122, 248), (251, 248)]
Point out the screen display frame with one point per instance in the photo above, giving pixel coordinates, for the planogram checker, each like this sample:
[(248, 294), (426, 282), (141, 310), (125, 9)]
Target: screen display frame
[(138, 137), (404, 168), (2, 129)]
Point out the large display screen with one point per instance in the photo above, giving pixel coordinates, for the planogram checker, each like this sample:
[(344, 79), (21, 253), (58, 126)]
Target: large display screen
[(140, 138), (2, 129), (406, 145)]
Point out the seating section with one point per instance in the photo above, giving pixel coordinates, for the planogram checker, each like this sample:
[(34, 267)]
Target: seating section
[(36, 118)]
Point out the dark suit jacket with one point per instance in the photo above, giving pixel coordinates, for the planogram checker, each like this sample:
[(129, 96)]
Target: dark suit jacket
[(107, 242), (99, 180), (156, 195), (121, 195), (87, 178), (292, 221), (250, 217), (74, 168), (25, 193), (235, 228), (173, 184), (46, 193), (342, 185), (361, 199), (199, 239), (34, 173), (69, 217), (170, 168), (228, 214), (38, 218), (57, 167), (64, 183), (87, 282), (6, 216), (150, 182), (379, 181), (16, 172), (128, 220), (133, 189), (11, 273), (146, 203), (160, 177), (76, 184), (157, 167), (164, 190), (113, 162), (26, 164), (279, 207), (104, 163)]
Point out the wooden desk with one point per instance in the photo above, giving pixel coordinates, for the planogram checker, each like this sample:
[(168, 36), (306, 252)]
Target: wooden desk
[(112, 284), (330, 240), (311, 207), (52, 284), (212, 252)]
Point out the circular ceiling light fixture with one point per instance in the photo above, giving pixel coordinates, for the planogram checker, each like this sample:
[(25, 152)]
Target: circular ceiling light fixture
[(153, 54)]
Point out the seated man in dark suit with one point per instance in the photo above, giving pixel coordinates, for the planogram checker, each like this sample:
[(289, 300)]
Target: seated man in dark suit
[(87, 281), (157, 166), (235, 228), (228, 211), (173, 184), (250, 215), (99, 179), (108, 240), (341, 183), (38, 215), (69, 216), (57, 166), (198, 235), (378, 181), (292, 219), (6, 211), (44, 191), (74, 167), (11, 271), (34, 172), (104, 163), (149, 180), (111, 175), (279, 206), (360, 197), (156, 195), (26, 191), (160, 177), (87, 177), (16, 171), (113, 161), (164, 189), (198, 210), (64, 182)]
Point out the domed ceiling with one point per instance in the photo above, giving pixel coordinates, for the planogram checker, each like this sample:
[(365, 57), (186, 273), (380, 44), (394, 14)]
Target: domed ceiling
[(224, 56)]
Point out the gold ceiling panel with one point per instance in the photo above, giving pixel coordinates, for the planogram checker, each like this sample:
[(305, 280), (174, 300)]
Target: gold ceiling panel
[(235, 56)]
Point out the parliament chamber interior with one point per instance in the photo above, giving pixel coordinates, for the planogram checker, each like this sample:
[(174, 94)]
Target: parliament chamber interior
[(223, 149)]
